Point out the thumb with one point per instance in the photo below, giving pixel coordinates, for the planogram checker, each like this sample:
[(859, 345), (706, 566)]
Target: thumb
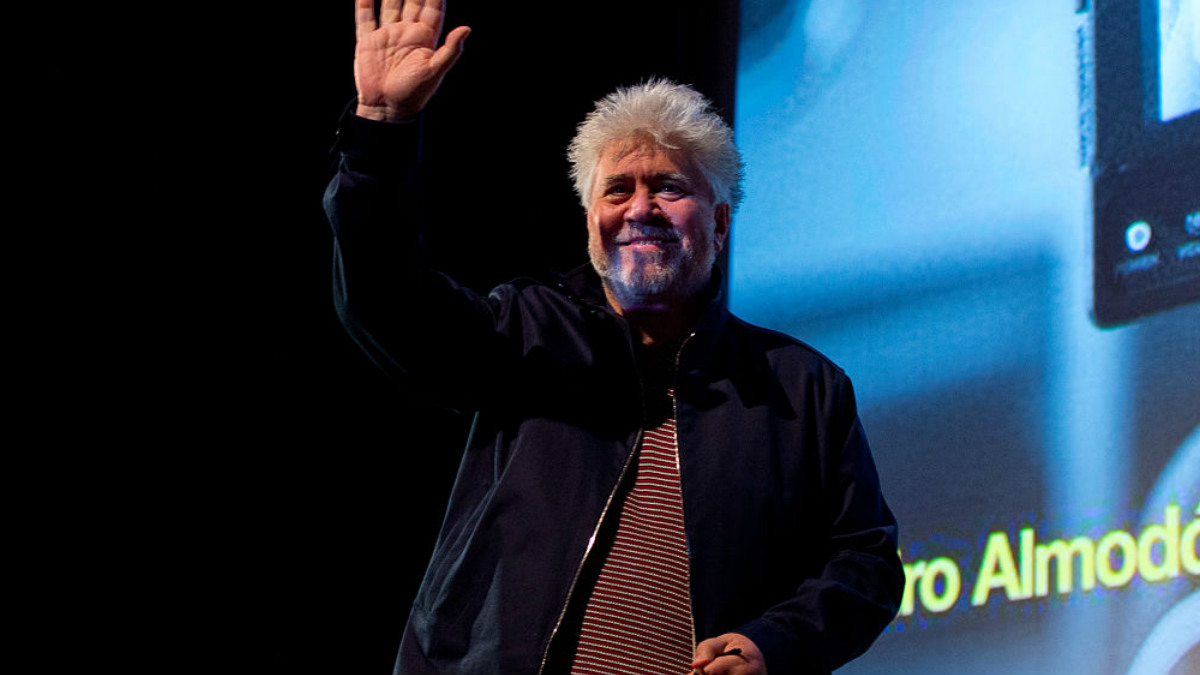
[(707, 651), (446, 55)]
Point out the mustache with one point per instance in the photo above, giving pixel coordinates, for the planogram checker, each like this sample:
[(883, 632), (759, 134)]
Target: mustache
[(638, 232)]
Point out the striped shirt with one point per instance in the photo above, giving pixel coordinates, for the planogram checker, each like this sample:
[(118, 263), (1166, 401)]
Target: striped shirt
[(638, 618)]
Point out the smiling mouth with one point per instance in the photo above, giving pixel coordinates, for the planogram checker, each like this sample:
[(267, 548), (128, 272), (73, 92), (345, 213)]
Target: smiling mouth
[(648, 241)]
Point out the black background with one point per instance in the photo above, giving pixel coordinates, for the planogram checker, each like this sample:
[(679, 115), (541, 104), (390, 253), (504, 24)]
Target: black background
[(272, 496)]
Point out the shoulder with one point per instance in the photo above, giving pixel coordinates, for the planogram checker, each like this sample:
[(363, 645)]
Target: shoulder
[(579, 287), (546, 304), (781, 349)]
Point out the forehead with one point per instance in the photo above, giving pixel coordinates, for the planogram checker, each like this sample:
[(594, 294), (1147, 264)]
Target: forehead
[(641, 158)]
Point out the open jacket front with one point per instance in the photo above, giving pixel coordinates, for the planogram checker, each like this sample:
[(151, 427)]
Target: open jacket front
[(790, 540)]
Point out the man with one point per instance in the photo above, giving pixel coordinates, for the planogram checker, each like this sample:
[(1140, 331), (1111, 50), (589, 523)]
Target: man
[(650, 485)]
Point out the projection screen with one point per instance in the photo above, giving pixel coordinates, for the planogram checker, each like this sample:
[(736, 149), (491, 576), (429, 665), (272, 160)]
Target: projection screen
[(988, 213)]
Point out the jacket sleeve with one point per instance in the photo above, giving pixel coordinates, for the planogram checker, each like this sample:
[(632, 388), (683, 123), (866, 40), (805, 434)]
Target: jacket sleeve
[(416, 324), (836, 615)]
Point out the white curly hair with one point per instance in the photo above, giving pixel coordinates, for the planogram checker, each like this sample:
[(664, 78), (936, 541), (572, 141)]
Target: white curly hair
[(677, 118)]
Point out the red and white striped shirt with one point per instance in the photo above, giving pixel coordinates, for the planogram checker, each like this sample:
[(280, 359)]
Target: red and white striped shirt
[(638, 618)]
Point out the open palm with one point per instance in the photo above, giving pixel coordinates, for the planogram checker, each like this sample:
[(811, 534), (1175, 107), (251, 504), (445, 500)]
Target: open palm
[(397, 62)]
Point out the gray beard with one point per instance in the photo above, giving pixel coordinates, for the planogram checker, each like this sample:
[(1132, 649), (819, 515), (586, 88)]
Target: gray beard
[(655, 277)]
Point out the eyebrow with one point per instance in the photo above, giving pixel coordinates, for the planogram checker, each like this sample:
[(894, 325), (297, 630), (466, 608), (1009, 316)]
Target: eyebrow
[(662, 176)]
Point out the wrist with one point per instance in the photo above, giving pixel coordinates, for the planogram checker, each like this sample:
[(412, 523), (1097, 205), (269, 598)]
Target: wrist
[(384, 113)]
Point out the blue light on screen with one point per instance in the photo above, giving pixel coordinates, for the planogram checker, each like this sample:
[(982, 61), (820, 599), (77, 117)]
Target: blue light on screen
[(1179, 57), (916, 210)]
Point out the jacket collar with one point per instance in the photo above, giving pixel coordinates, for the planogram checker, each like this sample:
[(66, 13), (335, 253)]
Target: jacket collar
[(583, 284)]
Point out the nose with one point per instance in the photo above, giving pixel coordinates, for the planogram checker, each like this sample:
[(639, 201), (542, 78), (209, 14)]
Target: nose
[(642, 206)]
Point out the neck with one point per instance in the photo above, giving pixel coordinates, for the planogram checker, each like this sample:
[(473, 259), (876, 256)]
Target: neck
[(660, 324)]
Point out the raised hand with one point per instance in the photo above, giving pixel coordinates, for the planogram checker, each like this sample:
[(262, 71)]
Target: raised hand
[(397, 62)]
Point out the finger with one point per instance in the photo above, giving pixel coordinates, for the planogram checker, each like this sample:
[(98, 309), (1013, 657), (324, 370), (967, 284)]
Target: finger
[(432, 14), (389, 11), (412, 8), (705, 653), (711, 651), (364, 18), (446, 55), (724, 666)]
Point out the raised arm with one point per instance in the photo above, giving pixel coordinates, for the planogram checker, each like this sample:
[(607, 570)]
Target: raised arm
[(398, 64), (412, 321)]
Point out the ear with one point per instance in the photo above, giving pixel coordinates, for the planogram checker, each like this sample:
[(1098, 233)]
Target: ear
[(722, 216)]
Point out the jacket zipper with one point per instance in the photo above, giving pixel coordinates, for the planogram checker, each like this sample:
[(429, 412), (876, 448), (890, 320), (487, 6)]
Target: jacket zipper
[(687, 544), (587, 551)]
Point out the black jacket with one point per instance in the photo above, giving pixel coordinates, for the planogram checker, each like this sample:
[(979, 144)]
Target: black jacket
[(791, 542)]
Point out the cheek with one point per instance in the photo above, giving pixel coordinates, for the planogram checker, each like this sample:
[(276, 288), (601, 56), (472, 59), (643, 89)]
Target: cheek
[(601, 222), (596, 235), (699, 229)]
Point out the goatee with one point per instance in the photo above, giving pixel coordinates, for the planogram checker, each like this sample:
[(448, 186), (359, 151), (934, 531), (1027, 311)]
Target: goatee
[(641, 278)]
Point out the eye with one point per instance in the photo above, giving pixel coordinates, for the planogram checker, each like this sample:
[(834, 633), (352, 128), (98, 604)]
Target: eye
[(673, 190), (617, 190)]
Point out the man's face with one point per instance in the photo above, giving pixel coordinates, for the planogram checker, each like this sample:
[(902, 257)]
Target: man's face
[(653, 229)]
